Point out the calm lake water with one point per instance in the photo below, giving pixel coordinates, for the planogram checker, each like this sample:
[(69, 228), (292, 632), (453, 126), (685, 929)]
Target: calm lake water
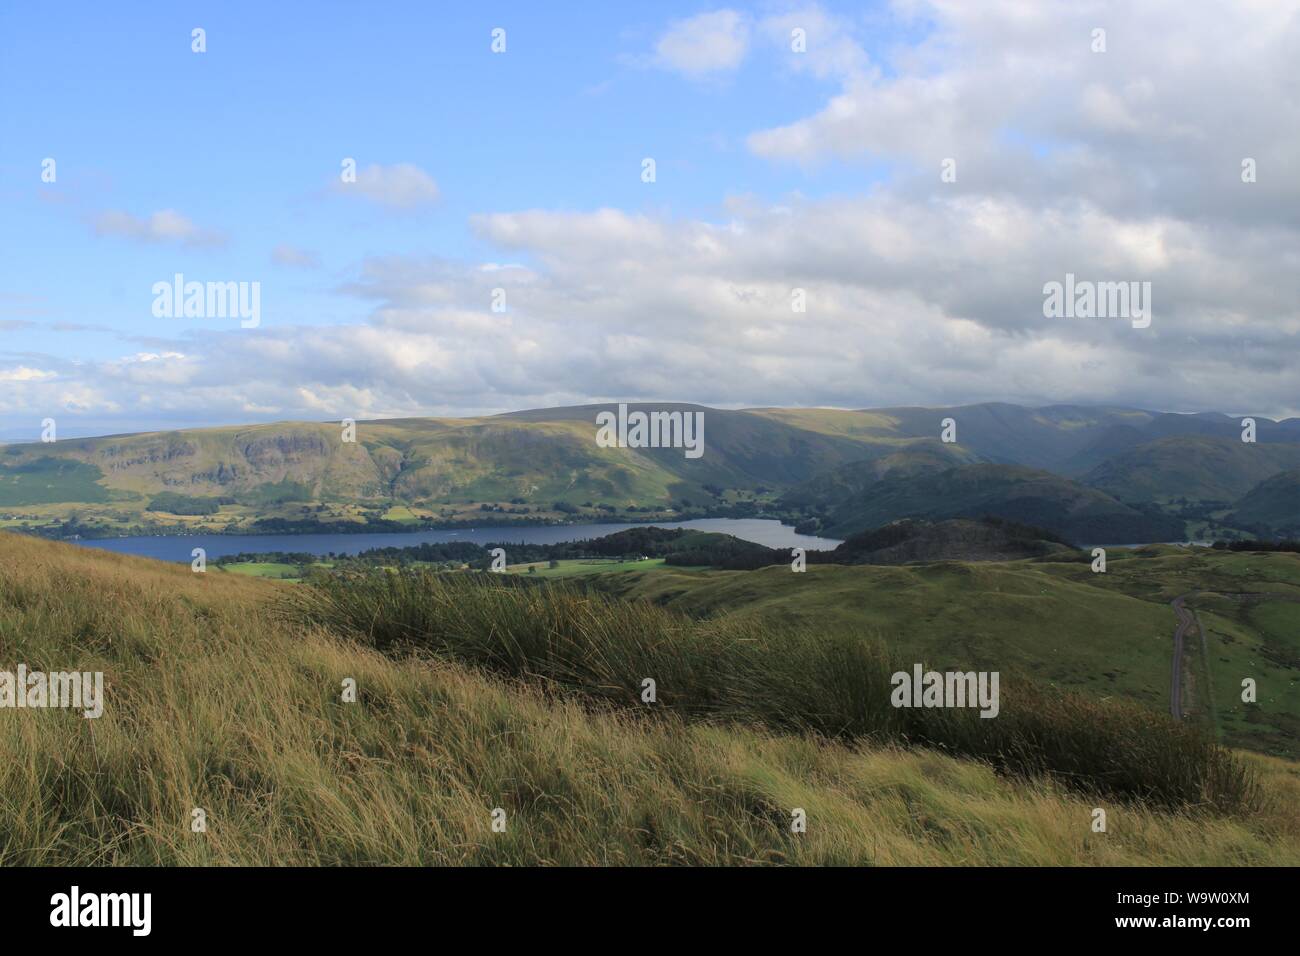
[(765, 531)]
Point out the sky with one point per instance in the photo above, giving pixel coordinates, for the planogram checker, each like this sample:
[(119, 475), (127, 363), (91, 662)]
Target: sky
[(911, 173)]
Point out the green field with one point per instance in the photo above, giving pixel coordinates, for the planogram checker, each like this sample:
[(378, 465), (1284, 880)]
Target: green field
[(264, 569), (584, 566), (401, 513)]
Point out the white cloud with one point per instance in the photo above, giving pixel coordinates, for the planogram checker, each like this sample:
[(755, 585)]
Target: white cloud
[(21, 373), (165, 226), (908, 302), (1014, 93), (287, 255), (706, 43), (829, 45), (400, 186)]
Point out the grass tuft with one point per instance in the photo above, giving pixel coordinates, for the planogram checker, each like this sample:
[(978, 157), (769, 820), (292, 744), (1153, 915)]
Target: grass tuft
[(784, 679)]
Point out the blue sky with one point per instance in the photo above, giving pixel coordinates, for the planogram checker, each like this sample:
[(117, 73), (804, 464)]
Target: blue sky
[(224, 166), (247, 138)]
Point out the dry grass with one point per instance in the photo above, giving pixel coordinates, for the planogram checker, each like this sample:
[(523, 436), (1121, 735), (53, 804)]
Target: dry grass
[(213, 702), (789, 679)]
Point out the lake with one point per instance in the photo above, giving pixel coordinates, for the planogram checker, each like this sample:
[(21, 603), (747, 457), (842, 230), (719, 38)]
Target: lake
[(765, 531)]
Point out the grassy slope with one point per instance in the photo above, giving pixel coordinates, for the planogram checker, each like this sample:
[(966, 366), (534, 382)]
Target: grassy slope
[(584, 566), (1257, 639), (1274, 503), (1036, 437), (41, 480), (213, 702), (987, 616), (856, 478), (1040, 498), (1105, 634)]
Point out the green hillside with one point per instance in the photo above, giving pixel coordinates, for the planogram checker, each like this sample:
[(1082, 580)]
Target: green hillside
[(994, 431), (852, 480), (530, 464), (46, 479), (1009, 617), (1272, 506), (1196, 468), (957, 539), (1077, 513), (1101, 634), (742, 449), (1120, 438)]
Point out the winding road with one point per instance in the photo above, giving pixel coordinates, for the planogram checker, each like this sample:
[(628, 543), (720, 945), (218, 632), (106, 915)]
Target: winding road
[(1186, 621)]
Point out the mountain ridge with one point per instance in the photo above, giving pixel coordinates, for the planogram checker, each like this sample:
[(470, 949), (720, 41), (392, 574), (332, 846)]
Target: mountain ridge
[(544, 464)]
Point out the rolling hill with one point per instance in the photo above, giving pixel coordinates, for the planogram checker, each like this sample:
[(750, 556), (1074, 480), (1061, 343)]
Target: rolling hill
[(993, 432), (1196, 468), (926, 457), (1075, 512), (1053, 617), (1273, 506), (957, 539)]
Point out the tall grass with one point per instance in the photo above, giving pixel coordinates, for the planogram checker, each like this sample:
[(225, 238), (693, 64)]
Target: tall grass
[(782, 679), (212, 701)]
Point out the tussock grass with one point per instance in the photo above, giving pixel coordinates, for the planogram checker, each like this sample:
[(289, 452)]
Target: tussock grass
[(215, 702), (785, 679)]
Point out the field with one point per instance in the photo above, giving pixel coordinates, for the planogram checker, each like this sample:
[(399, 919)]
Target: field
[(578, 568), (264, 569), (48, 480), (216, 701)]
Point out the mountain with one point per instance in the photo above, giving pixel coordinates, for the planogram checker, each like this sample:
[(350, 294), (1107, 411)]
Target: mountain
[(994, 432), (852, 480), (740, 449), (545, 464), (1272, 507), (1195, 467), (1026, 495), (542, 463), (1120, 438)]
